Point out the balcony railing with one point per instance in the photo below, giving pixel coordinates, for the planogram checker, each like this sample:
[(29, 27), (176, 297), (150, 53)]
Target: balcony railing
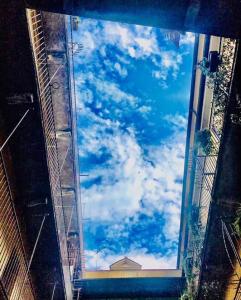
[(69, 249), (14, 277), (204, 177), (205, 166), (231, 243)]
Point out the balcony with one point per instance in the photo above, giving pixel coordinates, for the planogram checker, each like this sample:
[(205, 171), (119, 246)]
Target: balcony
[(204, 165), (57, 126)]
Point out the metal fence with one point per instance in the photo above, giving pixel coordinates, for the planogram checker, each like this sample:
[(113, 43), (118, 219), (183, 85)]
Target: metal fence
[(69, 250), (13, 261), (204, 177), (238, 290), (230, 240), (205, 165)]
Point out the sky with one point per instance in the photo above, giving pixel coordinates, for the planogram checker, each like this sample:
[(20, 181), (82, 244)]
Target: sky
[(132, 95)]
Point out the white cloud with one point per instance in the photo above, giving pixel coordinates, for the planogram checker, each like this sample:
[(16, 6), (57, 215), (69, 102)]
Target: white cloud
[(133, 41), (187, 39), (144, 109), (131, 176), (107, 90), (121, 70), (123, 196), (132, 52), (177, 121), (159, 75), (145, 44), (171, 62), (139, 41), (129, 179), (103, 259)]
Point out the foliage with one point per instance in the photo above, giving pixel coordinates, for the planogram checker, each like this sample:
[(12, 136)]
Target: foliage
[(220, 82), (197, 237), (209, 290), (190, 292), (212, 289), (204, 142), (192, 261), (237, 222), (187, 295), (236, 118), (188, 268), (236, 115), (203, 65)]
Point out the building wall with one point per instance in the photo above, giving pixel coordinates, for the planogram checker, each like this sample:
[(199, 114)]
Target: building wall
[(132, 274), (134, 288)]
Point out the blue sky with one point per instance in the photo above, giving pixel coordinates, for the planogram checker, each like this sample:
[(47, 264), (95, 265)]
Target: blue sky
[(133, 88)]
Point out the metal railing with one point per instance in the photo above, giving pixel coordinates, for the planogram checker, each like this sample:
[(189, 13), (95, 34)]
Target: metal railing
[(230, 242), (206, 164), (13, 261), (205, 171), (54, 166), (238, 291), (204, 177)]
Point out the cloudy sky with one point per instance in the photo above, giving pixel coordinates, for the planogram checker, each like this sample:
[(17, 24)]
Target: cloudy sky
[(133, 87)]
